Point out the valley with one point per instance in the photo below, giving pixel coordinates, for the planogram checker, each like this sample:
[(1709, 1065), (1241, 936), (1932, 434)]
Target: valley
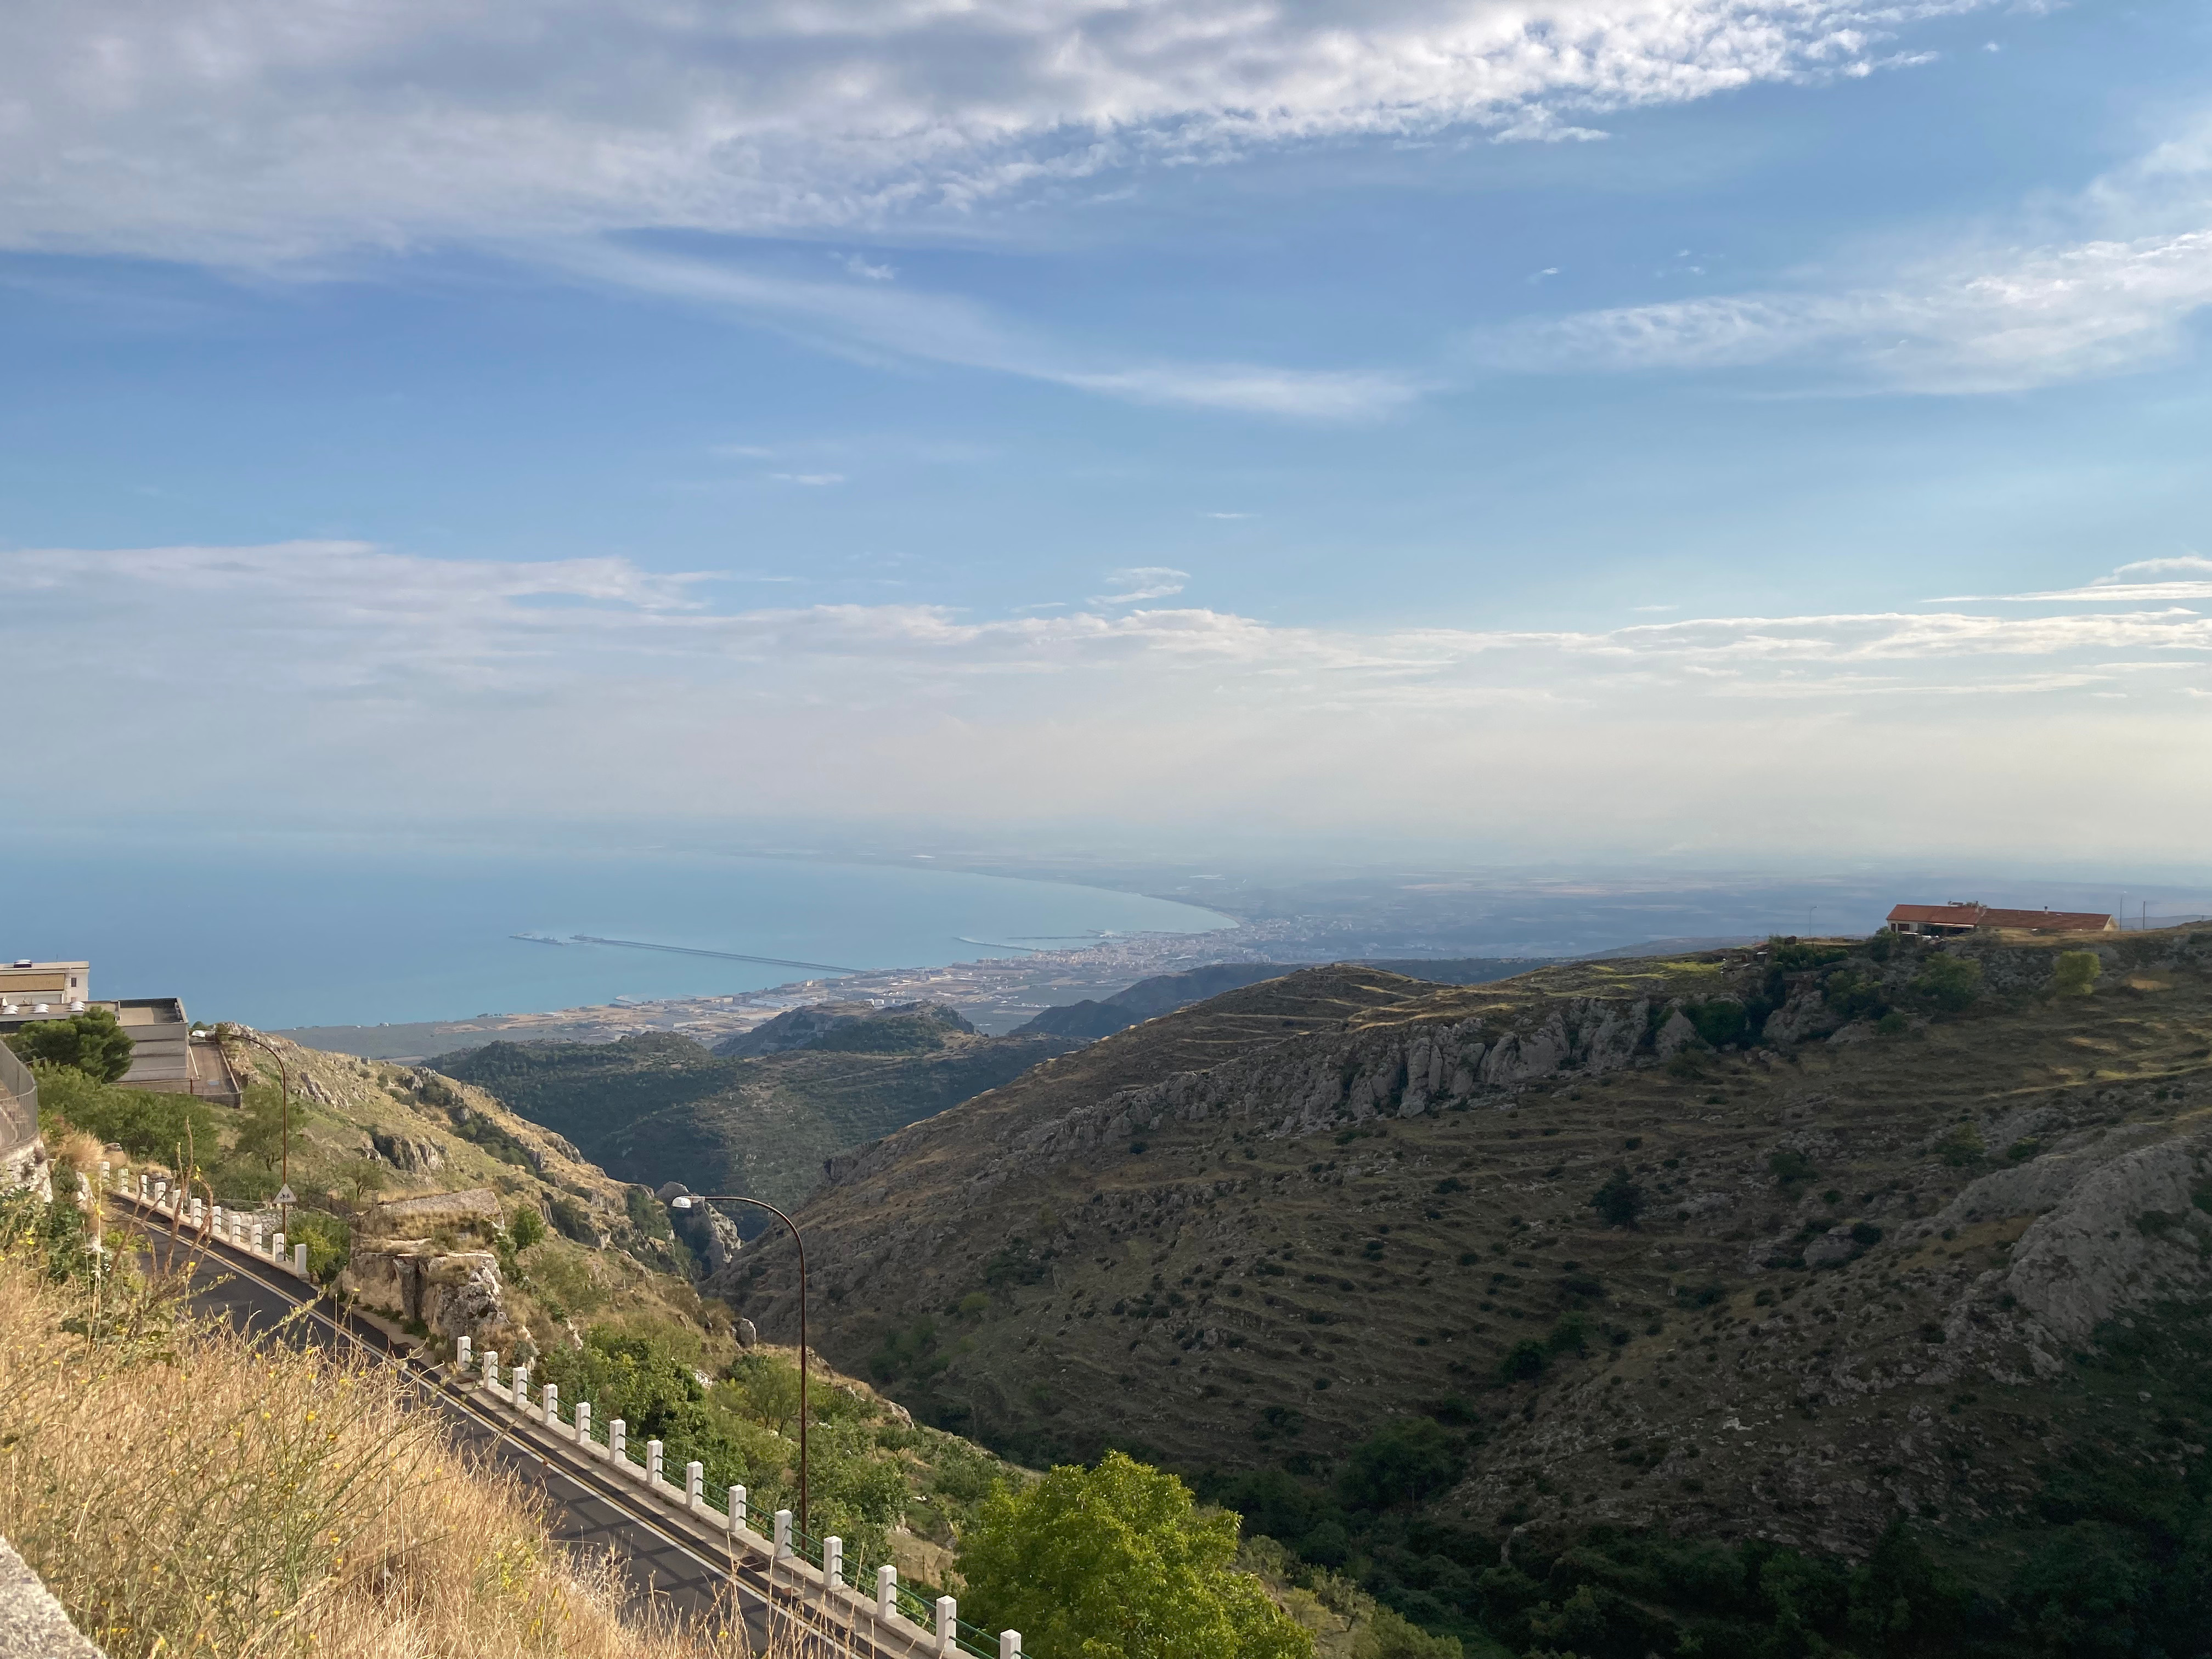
[(660, 1107)]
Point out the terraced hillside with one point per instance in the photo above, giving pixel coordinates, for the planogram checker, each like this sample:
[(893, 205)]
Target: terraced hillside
[(1774, 1245)]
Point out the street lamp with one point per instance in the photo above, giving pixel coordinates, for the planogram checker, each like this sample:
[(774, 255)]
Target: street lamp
[(684, 1202), (284, 1090)]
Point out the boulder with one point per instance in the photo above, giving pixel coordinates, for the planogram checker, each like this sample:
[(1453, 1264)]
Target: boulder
[(711, 1235), (477, 1209), (408, 1153), (1674, 1035), (453, 1293)]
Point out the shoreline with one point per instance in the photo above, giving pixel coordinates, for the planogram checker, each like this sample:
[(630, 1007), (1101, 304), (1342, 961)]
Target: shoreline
[(996, 994)]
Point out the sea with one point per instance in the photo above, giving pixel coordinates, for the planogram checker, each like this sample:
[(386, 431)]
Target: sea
[(284, 935)]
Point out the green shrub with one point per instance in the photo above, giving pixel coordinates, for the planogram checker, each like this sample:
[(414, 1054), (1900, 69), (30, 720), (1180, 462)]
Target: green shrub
[(525, 1226), (1787, 1165), (1720, 1022), (647, 1214), (1947, 983), (1523, 1361), (2075, 973), (1389, 1635), (93, 1043), (143, 1123), (1620, 1200), (328, 1239), (1115, 1561), (1961, 1147), (1409, 1460)]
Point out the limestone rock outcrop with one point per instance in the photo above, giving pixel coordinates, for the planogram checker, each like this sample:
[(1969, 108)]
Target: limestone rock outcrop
[(452, 1293), (475, 1210)]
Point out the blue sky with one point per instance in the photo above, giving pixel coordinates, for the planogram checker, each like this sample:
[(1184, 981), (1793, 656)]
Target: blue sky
[(1618, 428)]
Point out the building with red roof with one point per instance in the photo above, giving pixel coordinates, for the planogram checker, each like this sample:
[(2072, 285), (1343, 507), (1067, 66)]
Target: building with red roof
[(1964, 915)]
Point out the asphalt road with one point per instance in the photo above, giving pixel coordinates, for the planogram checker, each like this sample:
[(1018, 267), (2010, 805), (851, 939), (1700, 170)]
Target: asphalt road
[(663, 1569)]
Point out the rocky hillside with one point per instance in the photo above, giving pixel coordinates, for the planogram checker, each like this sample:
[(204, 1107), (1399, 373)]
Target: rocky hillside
[(1774, 1244), (1164, 993), (811, 1083)]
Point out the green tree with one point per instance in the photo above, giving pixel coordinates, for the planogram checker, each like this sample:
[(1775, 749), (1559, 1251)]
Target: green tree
[(2075, 973), (1407, 1460), (1947, 983), (1620, 1200), (363, 1177), (1384, 1634), (94, 1042), (1116, 1563), (260, 1135), (525, 1226)]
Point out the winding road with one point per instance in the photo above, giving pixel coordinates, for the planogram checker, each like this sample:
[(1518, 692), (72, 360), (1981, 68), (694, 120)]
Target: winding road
[(669, 1564)]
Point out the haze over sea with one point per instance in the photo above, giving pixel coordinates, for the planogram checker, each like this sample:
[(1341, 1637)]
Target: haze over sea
[(288, 936)]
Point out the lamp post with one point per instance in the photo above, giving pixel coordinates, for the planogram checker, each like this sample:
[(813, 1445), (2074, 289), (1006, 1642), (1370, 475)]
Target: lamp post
[(284, 1093), (684, 1202)]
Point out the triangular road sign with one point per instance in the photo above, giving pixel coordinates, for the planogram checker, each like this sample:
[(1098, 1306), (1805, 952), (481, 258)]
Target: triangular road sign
[(284, 1195)]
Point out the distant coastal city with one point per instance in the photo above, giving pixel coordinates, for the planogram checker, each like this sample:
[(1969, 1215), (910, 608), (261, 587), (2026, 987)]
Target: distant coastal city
[(996, 994)]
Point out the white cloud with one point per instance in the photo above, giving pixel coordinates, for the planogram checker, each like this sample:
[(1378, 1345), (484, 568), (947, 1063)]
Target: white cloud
[(2107, 281), (254, 130), (2008, 323), (1143, 582), (346, 678), (812, 480), (857, 266), (1230, 516), (885, 324), (2141, 567)]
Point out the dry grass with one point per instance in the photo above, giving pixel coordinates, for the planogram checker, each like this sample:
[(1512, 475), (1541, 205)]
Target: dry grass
[(183, 1491)]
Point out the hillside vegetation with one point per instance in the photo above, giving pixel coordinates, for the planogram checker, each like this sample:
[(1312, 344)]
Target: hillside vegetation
[(658, 1107), (182, 1490), (1845, 1292), (1164, 993), (592, 1290)]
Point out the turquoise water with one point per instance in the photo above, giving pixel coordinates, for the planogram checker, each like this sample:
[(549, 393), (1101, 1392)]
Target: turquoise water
[(286, 937)]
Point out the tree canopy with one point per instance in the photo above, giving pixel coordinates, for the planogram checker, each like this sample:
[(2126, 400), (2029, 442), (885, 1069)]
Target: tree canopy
[(93, 1043), (2075, 973), (1116, 1562)]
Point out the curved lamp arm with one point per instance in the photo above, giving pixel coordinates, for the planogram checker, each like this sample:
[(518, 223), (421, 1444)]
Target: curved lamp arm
[(684, 1202)]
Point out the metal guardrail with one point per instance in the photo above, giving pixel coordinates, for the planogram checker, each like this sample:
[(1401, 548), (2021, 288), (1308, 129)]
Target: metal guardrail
[(786, 1544), (19, 1103)]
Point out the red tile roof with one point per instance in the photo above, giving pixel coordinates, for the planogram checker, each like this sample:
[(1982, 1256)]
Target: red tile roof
[(1981, 915)]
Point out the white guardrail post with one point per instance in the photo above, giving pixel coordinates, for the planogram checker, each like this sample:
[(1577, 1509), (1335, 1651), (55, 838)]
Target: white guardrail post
[(886, 1591), (521, 1395), (1010, 1644), (782, 1534), (549, 1404), (737, 1509), (694, 1488), (948, 1623), (617, 1432), (299, 1259), (584, 1425), (653, 1463), (833, 1562), (461, 1353)]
